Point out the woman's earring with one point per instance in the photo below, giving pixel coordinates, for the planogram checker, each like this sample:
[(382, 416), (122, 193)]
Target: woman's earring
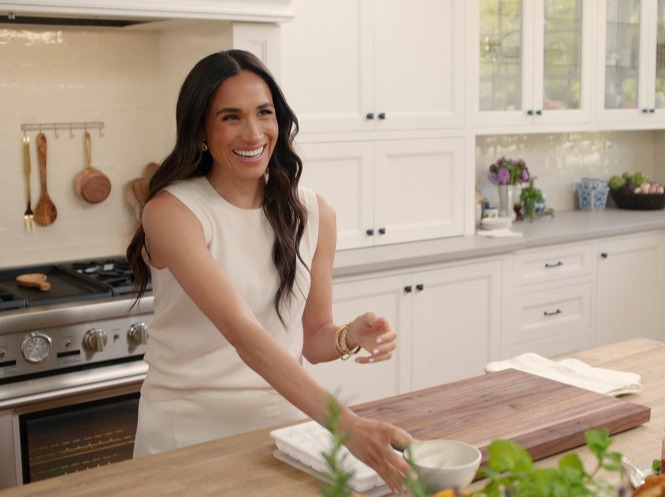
[(204, 147)]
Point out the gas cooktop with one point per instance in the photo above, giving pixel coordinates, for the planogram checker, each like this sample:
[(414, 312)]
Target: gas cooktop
[(70, 281)]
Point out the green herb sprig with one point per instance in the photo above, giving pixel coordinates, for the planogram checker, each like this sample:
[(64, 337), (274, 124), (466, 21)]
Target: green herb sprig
[(339, 477), (512, 473)]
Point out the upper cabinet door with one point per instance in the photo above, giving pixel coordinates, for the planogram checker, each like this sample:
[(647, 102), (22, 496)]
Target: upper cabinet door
[(532, 62), (418, 58), (375, 65), (631, 63)]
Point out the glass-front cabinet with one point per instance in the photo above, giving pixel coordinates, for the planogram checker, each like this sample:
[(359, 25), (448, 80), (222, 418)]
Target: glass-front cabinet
[(632, 63), (533, 62)]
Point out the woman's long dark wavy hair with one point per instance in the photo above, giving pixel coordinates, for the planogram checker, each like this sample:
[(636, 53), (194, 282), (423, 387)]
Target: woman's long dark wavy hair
[(281, 203)]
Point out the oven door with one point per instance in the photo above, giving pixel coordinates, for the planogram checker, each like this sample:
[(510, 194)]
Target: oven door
[(68, 431)]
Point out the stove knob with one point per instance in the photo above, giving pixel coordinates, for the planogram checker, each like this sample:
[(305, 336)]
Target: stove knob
[(94, 340), (138, 334)]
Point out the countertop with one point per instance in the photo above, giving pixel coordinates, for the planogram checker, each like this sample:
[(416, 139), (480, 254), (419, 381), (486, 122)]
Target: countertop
[(243, 465), (564, 227)]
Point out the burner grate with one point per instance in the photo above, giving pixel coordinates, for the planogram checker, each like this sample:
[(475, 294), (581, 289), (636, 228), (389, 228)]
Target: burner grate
[(113, 272)]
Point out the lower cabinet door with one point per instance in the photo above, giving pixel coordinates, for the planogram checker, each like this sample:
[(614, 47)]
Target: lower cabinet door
[(355, 383), (456, 322), (630, 288)]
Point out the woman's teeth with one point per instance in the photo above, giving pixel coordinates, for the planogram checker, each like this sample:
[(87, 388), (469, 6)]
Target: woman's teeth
[(250, 154)]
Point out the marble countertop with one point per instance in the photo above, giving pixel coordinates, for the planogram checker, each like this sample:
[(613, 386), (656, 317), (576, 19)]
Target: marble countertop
[(564, 227)]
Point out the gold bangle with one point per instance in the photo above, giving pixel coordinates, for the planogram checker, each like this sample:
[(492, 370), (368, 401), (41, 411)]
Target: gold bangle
[(342, 344)]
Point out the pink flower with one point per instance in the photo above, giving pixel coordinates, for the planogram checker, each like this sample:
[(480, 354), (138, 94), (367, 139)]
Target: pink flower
[(508, 172)]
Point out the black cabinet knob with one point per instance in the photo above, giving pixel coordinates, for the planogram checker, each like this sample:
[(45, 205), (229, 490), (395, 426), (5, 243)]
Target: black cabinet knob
[(370, 115), (604, 255), (407, 289), (420, 287), (382, 231), (382, 115), (369, 232), (530, 112), (539, 112)]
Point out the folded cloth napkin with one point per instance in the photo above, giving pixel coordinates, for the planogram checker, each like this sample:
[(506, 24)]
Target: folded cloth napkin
[(572, 372), (500, 233)]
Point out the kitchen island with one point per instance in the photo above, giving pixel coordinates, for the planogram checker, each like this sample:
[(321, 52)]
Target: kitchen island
[(244, 464)]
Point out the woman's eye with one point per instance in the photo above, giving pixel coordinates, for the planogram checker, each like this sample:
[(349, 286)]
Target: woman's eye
[(229, 117), (266, 112)]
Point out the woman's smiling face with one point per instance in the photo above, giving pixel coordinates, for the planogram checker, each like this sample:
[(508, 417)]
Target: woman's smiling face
[(241, 128)]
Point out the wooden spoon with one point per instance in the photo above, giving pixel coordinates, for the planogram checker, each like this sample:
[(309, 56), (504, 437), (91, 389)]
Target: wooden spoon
[(45, 212)]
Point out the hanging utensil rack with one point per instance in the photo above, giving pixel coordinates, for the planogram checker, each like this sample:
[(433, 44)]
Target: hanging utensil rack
[(64, 126)]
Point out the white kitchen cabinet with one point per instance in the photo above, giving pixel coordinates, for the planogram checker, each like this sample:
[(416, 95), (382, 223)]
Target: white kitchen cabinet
[(356, 383), (631, 63), (397, 66), (630, 287), (531, 63), (456, 320), (389, 191), (549, 300), (447, 319)]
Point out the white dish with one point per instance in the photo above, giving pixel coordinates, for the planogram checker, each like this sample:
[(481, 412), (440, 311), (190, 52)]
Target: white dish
[(304, 443), (496, 223)]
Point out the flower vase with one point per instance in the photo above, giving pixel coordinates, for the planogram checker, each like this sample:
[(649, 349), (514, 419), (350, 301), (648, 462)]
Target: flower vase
[(507, 201)]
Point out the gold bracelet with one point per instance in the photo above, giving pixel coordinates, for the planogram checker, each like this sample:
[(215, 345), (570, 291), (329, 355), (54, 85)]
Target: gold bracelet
[(342, 344)]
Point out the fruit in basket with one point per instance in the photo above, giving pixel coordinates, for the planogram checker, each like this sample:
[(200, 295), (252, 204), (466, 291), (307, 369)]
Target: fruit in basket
[(634, 183)]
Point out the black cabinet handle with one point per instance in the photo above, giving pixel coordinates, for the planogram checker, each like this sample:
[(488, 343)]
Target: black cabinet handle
[(370, 115), (382, 231), (530, 112), (382, 115), (407, 289), (550, 266), (604, 255), (420, 287), (539, 112), (548, 314), (369, 232)]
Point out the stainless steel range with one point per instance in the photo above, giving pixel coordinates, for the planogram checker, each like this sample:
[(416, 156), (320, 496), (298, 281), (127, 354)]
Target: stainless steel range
[(71, 366)]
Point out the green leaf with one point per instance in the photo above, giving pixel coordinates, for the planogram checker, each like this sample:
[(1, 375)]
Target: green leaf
[(506, 455)]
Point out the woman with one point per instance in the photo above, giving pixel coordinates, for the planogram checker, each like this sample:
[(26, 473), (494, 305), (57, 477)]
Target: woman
[(241, 263)]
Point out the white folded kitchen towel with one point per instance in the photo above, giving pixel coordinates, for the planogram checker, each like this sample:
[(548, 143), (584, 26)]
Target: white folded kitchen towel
[(572, 372), (500, 233)]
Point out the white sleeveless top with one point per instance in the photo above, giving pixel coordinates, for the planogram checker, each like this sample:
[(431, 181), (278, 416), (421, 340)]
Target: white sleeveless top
[(186, 352)]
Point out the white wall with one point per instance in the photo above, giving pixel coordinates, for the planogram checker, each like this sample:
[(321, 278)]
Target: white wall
[(559, 160), (127, 79)]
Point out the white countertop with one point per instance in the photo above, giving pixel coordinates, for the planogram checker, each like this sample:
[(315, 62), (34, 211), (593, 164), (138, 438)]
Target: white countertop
[(564, 227)]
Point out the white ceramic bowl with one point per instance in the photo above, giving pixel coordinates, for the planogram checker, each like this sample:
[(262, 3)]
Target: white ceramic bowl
[(444, 464), (496, 223)]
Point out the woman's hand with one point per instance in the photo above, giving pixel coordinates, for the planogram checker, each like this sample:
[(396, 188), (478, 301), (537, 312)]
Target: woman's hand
[(375, 335), (372, 441)]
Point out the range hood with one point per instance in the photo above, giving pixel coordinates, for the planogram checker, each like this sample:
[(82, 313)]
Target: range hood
[(123, 13)]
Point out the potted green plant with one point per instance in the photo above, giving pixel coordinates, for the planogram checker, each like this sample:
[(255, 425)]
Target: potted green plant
[(530, 196)]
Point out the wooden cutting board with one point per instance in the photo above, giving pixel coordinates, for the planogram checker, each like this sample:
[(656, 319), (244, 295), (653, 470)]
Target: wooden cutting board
[(544, 416)]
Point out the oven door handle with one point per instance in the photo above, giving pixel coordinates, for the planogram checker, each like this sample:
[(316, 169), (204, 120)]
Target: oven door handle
[(128, 376)]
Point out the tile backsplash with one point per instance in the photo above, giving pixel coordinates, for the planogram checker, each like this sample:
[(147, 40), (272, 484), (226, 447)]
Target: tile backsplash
[(125, 78), (560, 160)]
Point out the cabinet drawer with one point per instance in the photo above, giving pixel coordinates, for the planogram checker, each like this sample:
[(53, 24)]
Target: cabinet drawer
[(551, 312), (565, 261)]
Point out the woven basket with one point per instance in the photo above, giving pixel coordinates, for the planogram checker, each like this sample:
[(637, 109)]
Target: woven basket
[(638, 201)]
